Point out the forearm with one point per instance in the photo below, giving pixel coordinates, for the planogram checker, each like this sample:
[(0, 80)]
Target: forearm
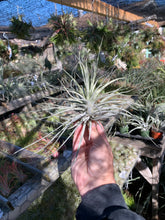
[(105, 202)]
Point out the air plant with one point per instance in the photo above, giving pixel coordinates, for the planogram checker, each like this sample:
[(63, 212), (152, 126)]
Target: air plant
[(17, 172), (65, 29), (10, 176), (141, 123), (89, 98)]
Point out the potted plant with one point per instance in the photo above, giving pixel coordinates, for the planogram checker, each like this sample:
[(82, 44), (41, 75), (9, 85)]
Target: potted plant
[(142, 124), (123, 123), (64, 27), (156, 129)]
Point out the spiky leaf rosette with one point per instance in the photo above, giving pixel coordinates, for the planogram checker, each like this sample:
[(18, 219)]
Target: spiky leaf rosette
[(88, 98)]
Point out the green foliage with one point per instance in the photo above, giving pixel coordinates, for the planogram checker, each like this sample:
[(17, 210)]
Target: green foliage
[(130, 57), (112, 38), (15, 51), (65, 29), (20, 28), (116, 40), (157, 46), (146, 81), (129, 200), (3, 50), (148, 34), (95, 35), (153, 40), (4, 54), (27, 139), (16, 87)]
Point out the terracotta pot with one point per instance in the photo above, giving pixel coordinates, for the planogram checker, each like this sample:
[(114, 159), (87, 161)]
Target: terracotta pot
[(156, 134)]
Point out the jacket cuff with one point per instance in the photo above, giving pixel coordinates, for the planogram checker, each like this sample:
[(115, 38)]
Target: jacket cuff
[(97, 200)]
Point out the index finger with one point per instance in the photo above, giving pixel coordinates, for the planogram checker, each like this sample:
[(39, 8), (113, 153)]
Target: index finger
[(78, 139), (98, 133)]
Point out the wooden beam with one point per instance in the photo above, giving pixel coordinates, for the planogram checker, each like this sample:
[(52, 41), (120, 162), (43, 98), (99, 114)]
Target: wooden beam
[(144, 170), (18, 103), (103, 8)]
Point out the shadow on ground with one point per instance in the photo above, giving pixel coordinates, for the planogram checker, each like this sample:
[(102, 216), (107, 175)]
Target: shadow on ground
[(59, 201)]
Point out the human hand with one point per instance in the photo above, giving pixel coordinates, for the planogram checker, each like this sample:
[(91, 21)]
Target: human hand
[(93, 165)]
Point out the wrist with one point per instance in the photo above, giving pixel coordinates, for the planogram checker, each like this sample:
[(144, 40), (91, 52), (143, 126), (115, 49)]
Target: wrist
[(98, 199), (95, 184)]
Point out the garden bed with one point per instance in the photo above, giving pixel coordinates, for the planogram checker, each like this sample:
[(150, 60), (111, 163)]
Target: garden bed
[(46, 166), (42, 178)]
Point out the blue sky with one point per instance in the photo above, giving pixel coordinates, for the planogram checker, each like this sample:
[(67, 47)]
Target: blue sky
[(36, 11)]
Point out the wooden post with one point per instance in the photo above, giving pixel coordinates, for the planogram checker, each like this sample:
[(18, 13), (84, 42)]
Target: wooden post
[(155, 187), (144, 170)]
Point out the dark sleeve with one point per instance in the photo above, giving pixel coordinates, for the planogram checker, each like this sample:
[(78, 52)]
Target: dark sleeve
[(105, 202)]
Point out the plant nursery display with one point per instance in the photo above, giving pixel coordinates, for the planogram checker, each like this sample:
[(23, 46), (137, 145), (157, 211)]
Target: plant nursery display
[(12, 176), (87, 86), (86, 101), (23, 131)]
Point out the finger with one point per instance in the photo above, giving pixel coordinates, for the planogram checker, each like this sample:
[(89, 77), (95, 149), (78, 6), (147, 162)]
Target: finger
[(98, 136), (79, 150), (101, 132), (77, 138), (97, 130)]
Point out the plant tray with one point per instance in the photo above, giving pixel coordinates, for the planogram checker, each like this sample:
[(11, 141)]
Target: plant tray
[(138, 137), (20, 200), (125, 158)]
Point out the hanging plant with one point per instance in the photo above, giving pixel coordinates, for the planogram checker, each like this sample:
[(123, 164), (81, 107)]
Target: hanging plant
[(95, 35), (20, 28), (64, 27)]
